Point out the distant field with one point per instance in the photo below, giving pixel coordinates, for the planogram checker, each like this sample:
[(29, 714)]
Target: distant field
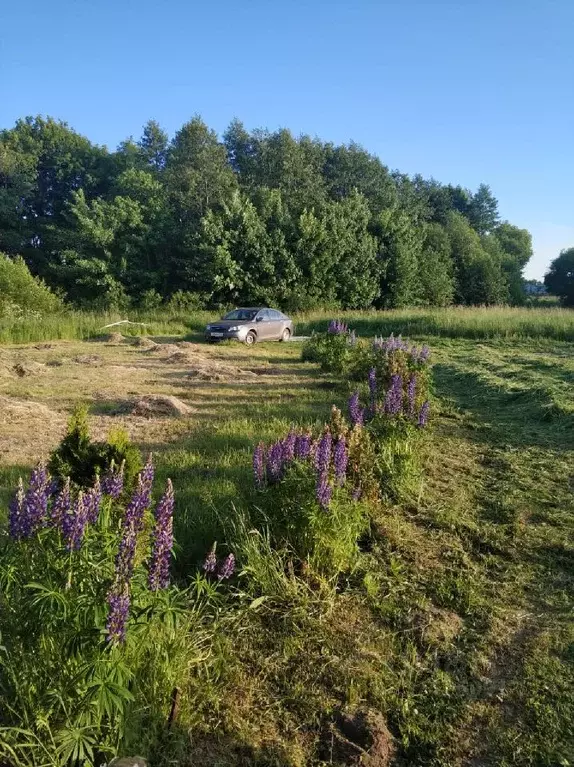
[(453, 322), (457, 624)]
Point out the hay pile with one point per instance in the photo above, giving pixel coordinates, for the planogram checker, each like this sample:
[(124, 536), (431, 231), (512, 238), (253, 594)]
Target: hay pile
[(162, 405), (28, 368)]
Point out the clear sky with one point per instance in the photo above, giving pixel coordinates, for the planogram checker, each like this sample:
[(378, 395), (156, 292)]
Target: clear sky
[(466, 91)]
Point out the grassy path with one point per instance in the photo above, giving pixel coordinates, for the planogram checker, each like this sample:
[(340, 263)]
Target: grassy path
[(457, 625)]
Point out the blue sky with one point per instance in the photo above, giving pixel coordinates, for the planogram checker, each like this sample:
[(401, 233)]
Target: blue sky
[(466, 91)]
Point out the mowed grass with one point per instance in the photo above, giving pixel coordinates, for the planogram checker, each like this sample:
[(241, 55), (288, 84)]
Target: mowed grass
[(458, 623)]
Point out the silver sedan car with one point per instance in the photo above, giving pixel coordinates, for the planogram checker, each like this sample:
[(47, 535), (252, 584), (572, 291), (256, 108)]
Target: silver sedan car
[(250, 325)]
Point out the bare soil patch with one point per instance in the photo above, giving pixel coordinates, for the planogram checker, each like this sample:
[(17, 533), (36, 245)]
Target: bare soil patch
[(28, 368), (88, 359)]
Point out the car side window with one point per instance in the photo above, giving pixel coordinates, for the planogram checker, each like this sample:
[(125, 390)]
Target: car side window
[(264, 314), (275, 315)]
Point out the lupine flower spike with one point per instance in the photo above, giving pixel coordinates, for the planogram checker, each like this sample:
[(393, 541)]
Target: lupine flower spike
[(227, 568), (210, 563), (423, 414), (162, 541), (259, 465), (16, 513)]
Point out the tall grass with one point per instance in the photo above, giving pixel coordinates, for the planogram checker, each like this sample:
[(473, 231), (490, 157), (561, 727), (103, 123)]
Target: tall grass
[(453, 322), (79, 325)]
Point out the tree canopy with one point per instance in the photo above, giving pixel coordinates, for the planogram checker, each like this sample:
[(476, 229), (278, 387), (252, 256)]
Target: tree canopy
[(256, 216), (560, 277)]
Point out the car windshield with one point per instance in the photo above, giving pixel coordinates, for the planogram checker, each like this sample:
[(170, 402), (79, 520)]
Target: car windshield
[(241, 314)]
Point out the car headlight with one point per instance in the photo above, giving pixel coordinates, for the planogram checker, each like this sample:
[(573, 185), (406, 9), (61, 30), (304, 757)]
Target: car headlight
[(233, 329), (208, 327)]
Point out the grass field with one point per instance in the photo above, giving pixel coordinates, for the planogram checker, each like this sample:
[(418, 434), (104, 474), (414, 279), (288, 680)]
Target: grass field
[(541, 321), (456, 629)]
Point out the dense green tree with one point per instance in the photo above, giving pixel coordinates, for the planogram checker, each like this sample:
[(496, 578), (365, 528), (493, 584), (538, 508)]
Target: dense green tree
[(559, 280), (153, 146), (260, 216), (435, 271), (478, 275), (401, 245), (482, 210)]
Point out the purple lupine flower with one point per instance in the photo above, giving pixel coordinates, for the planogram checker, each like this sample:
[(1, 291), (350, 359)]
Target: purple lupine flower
[(352, 339), (373, 386), (424, 353), (138, 504), (113, 481), (340, 460), (92, 500), (61, 504), (423, 414), (337, 328), (259, 465), (323, 453), (357, 493), (74, 523), (210, 563), (289, 446), (303, 446), (119, 608), (394, 397), (323, 490), (35, 508), (356, 412), (16, 513), (227, 568), (147, 473), (131, 526), (275, 462), (411, 393), (162, 541)]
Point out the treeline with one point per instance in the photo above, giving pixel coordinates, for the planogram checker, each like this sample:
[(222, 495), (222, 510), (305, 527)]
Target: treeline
[(257, 217)]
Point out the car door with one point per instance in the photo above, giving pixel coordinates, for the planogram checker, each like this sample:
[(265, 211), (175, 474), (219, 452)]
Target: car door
[(276, 324), (264, 325)]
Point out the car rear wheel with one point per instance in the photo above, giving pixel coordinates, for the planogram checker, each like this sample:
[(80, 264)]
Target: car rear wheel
[(250, 338), (286, 335)]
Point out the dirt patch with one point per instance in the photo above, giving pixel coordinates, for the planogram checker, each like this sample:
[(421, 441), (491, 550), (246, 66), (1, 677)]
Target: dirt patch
[(21, 418), (162, 405), (57, 363), (88, 359), (143, 342), (28, 368), (164, 349), (114, 338), (180, 358), (438, 626), (267, 371), (361, 738), (206, 370)]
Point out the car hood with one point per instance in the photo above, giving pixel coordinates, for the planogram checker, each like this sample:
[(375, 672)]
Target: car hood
[(229, 323)]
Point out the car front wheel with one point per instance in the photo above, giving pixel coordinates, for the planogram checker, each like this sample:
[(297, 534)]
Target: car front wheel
[(250, 338), (286, 335)]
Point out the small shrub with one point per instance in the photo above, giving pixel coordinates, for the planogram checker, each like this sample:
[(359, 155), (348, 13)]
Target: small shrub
[(333, 350), (186, 302), (81, 459), (21, 294)]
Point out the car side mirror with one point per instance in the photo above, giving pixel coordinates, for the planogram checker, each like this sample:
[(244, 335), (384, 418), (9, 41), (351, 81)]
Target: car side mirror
[(258, 319)]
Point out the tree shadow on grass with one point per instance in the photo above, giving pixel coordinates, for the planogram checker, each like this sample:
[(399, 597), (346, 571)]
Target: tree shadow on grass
[(522, 418)]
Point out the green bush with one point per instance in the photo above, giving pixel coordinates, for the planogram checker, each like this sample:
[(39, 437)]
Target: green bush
[(81, 459), (22, 294)]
